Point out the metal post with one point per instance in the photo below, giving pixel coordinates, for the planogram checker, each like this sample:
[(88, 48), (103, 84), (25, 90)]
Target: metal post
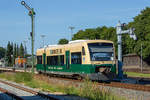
[(13, 59), (32, 38), (141, 58), (25, 52), (42, 36), (119, 37), (25, 49), (119, 33), (32, 14), (71, 28)]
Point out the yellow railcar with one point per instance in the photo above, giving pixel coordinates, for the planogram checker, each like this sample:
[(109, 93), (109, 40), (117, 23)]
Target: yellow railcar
[(92, 58)]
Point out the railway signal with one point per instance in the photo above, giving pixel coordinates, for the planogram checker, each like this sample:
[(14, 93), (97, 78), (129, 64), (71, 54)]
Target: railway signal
[(119, 37), (32, 15)]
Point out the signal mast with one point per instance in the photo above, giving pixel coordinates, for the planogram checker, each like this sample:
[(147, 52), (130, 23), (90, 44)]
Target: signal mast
[(32, 15), (119, 31)]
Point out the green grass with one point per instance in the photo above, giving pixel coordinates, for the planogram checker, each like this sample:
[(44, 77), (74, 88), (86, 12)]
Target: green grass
[(88, 89), (7, 76), (23, 77), (134, 74)]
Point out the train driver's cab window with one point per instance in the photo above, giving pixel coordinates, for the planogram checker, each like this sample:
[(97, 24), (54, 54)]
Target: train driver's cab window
[(76, 58), (101, 51), (39, 59)]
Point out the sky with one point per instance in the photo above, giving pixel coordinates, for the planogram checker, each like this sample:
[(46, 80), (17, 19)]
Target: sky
[(54, 17)]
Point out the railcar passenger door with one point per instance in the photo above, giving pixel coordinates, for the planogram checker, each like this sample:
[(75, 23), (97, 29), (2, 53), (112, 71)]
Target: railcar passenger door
[(44, 63), (67, 53)]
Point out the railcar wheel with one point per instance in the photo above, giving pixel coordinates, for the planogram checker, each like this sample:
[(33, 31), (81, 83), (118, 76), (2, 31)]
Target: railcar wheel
[(77, 77), (39, 72)]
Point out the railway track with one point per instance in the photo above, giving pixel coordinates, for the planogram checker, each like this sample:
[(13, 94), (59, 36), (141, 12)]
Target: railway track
[(112, 84), (127, 86), (21, 93)]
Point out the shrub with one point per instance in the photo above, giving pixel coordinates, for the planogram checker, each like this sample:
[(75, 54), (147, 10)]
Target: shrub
[(91, 91)]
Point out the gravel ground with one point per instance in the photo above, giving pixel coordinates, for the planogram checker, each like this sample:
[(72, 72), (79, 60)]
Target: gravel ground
[(25, 95), (29, 96)]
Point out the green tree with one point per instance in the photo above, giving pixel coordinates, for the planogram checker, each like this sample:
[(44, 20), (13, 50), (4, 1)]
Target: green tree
[(63, 41), (21, 51), (9, 53), (105, 33), (141, 24), (17, 51), (2, 52), (86, 34)]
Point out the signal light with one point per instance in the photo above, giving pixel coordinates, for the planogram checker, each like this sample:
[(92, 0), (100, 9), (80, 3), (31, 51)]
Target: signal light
[(30, 13), (23, 2), (31, 34)]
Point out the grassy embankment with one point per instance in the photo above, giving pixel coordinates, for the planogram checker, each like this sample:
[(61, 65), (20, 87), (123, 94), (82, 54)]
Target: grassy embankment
[(88, 90), (134, 74)]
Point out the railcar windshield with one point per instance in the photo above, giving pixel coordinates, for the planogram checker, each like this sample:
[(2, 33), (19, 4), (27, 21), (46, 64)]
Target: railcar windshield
[(101, 51)]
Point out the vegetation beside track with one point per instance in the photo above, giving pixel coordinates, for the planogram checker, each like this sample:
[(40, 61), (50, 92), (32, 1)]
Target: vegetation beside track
[(135, 74), (88, 89)]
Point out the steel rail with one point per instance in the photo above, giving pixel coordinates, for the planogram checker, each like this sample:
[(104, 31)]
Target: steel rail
[(30, 91)]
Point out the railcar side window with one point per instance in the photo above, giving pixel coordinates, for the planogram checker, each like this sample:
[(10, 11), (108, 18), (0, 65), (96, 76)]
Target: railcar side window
[(76, 58), (39, 59), (83, 51), (52, 60), (55, 60)]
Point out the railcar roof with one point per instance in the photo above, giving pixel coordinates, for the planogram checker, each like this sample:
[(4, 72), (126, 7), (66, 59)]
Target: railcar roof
[(87, 41), (72, 43)]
